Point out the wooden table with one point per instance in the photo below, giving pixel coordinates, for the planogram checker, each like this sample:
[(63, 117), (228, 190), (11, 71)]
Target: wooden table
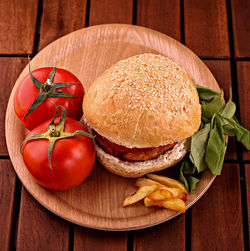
[(218, 31)]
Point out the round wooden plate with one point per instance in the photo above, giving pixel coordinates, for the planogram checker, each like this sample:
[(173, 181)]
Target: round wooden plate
[(96, 203)]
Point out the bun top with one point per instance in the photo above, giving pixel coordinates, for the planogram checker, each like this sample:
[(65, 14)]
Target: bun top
[(143, 101)]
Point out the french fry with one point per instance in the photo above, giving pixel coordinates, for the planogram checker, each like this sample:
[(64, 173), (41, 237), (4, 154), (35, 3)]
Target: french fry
[(160, 194), (140, 194), (145, 182), (176, 192), (174, 204), (168, 182)]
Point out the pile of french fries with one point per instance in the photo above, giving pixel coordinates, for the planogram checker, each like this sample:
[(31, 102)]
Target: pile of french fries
[(159, 191)]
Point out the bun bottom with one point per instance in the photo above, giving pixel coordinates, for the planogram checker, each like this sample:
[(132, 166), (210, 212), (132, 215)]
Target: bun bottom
[(140, 168)]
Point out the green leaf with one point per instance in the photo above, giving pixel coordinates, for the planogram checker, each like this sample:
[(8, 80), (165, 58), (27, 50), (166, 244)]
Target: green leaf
[(50, 148), (55, 115), (208, 109), (56, 133), (228, 110), (202, 125), (35, 81), (61, 123), (215, 149), (57, 94), (182, 177), (60, 85), (51, 74), (39, 99), (47, 90), (192, 182), (241, 133), (229, 130), (235, 119), (208, 144), (78, 132), (33, 137), (198, 148), (206, 93), (188, 167), (186, 171)]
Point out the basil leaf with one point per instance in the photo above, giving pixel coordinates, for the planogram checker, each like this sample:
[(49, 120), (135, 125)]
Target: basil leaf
[(208, 144), (192, 182), (229, 109), (206, 93), (215, 149), (235, 119), (182, 177), (229, 130), (241, 133), (198, 148), (187, 168), (208, 109), (202, 125)]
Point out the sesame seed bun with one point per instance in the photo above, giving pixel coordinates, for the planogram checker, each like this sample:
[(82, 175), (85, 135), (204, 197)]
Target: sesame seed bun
[(144, 101)]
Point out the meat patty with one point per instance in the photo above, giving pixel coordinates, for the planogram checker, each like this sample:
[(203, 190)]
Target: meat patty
[(131, 154)]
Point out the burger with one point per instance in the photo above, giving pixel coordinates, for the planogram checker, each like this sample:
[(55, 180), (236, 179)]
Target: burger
[(143, 111)]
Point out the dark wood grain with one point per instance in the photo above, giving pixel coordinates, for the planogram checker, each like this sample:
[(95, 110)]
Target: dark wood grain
[(217, 216), (163, 16), (243, 74), (86, 239), (38, 229), (167, 236), (7, 195), (109, 11), (241, 27), (222, 72), (10, 68), (60, 18), (17, 26), (206, 29), (247, 175)]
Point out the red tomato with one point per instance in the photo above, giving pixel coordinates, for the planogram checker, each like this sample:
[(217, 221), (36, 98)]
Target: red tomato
[(26, 93), (72, 158)]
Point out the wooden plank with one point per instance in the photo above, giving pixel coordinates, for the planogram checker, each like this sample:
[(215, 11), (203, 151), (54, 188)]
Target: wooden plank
[(243, 74), (39, 229), (166, 236), (109, 11), (18, 26), (222, 72), (247, 175), (161, 15), (217, 216), (241, 27), (206, 28), (7, 196), (10, 68), (85, 239), (60, 18)]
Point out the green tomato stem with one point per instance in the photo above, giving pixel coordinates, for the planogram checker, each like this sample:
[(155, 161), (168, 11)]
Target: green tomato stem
[(47, 89), (55, 133)]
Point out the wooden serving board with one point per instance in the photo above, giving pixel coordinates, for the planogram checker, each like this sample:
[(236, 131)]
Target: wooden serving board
[(96, 203)]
